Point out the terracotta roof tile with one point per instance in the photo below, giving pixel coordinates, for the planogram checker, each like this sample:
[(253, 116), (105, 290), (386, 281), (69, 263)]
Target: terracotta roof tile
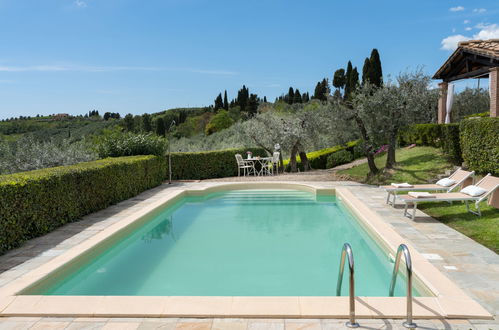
[(483, 47), (486, 48)]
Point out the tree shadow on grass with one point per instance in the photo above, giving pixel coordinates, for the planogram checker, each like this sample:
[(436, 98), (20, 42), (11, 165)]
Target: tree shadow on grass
[(418, 175)]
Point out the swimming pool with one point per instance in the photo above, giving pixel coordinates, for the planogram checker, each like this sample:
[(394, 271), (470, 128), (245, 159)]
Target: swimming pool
[(269, 242), (43, 291)]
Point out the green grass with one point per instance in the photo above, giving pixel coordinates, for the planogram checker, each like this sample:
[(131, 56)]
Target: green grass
[(422, 165), (484, 229), (416, 165)]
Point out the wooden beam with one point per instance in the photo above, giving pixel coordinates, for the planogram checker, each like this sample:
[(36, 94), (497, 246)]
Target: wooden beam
[(466, 75), (482, 60)]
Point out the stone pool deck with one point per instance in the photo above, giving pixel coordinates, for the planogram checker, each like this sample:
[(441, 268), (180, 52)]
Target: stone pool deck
[(474, 268)]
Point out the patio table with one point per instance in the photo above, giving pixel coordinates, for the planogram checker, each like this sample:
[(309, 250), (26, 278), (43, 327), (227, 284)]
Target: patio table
[(264, 162)]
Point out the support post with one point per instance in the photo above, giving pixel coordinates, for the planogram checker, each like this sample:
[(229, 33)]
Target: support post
[(494, 92), (442, 102)]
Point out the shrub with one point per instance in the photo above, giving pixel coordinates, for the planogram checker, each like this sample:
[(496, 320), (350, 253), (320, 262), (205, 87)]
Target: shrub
[(36, 202), (118, 144), (445, 136), (421, 134), (358, 150), (209, 164), (219, 122), (338, 158), (450, 142), (480, 114), (480, 144), (318, 159)]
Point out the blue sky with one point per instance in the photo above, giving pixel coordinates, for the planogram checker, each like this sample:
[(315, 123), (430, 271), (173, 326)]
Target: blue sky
[(72, 56)]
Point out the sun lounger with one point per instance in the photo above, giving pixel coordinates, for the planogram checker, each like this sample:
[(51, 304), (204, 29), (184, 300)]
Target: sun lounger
[(489, 183), (461, 177)]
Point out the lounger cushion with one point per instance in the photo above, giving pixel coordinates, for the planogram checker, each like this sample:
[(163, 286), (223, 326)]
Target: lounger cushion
[(446, 182), (473, 191)]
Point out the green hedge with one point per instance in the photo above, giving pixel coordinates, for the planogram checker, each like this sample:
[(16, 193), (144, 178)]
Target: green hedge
[(209, 164), (36, 202), (318, 159), (445, 136), (480, 144), (339, 158)]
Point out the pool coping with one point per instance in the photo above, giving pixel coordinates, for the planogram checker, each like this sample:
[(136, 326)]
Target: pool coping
[(449, 301)]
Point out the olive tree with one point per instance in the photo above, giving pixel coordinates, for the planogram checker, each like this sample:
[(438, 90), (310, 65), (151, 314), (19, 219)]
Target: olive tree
[(379, 113), (294, 128)]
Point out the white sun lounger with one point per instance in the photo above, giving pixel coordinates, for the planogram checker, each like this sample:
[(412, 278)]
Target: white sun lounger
[(489, 183), (460, 176)]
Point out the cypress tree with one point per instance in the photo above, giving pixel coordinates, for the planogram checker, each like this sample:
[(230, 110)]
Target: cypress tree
[(160, 127), (348, 86), (265, 99), (253, 104), (317, 91), (354, 79), (376, 73), (325, 89), (226, 102), (242, 98), (305, 97), (291, 95), (366, 71), (146, 122), (218, 102), (339, 78), (297, 97)]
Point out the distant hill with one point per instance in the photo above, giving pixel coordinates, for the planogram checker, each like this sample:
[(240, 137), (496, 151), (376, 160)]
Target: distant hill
[(53, 127)]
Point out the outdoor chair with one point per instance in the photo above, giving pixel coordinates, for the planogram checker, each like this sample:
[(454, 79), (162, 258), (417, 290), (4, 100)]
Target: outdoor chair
[(487, 185), (275, 162), (247, 167), (460, 177)]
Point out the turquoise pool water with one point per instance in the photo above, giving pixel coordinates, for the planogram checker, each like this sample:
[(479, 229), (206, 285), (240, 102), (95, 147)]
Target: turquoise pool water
[(237, 243)]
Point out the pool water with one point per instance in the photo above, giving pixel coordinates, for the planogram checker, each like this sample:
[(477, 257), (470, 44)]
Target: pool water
[(237, 243)]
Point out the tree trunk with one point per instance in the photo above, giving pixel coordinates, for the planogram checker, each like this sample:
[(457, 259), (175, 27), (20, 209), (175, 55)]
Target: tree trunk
[(304, 158), (281, 163), (368, 148), (373, 170), (292, 158), (390, 157)]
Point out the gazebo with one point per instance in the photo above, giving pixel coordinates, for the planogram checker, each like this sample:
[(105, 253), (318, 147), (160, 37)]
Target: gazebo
[(471, 59)]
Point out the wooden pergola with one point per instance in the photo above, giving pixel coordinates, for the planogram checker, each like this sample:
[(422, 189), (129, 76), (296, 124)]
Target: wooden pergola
[(471, 59)]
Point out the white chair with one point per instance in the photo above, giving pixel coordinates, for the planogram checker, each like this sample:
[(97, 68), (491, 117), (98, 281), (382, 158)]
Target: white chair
[(275, 162), (248, 167)]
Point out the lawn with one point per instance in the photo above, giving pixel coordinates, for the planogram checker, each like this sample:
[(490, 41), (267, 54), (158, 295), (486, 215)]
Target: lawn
[(422, 165), (416, 165)]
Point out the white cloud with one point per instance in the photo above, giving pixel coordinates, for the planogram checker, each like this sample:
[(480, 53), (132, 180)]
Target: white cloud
[(466, 21), (458, 8), (490, 31), (487, 31), (450, 43), (80, 3), (62, 68), (468, 28), (479, 10)]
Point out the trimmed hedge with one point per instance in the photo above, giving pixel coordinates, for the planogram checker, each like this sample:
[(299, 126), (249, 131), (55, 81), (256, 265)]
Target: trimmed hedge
[(34, 203), (445, 136), (209, 164), (318, 159), (339, 158), (480, 144)]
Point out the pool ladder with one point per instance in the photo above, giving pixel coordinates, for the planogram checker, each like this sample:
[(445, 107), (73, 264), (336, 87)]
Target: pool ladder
[(346, 253)]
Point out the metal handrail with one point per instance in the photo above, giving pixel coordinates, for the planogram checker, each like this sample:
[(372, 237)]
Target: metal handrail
[(408, 265), (346, 251)]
